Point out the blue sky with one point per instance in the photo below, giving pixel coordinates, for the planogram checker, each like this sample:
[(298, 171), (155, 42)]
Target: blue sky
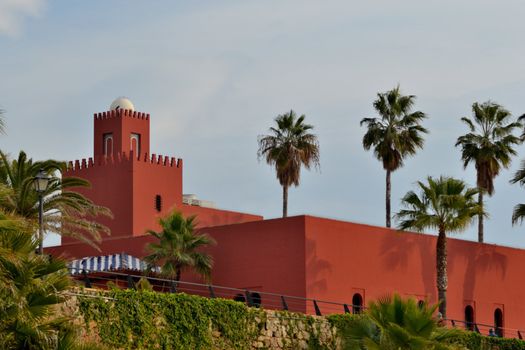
[(214, 74)]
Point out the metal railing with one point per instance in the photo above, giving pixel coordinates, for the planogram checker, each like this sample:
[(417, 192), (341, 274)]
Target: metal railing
[(255, 298), (485, 329)]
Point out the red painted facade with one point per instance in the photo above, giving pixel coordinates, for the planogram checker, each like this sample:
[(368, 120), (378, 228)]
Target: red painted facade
[(301, 256)]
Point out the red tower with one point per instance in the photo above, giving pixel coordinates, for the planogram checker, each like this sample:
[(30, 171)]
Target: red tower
[(136, 186)]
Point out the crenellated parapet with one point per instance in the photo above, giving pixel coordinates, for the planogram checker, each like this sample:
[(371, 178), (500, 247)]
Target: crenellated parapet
[(121, 113), (123, 158)]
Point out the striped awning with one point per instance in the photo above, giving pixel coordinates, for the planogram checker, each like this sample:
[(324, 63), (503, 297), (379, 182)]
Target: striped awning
[(111, 262)]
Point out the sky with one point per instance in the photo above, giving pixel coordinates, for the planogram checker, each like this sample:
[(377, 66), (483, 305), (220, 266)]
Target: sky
[(214, 75)]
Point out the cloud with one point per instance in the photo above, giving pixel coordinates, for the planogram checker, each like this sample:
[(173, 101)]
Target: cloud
[(13, 12)]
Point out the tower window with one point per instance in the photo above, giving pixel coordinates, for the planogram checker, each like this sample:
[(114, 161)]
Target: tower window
[(107, 143), (134, 144), (158, 202)]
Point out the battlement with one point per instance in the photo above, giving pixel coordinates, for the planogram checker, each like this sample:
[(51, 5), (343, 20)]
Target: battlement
[(121, 113), (120, 158)]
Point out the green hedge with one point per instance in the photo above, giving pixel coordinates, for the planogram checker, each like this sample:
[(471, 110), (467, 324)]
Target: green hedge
[(476, 341), (150, 320), (147, 320)]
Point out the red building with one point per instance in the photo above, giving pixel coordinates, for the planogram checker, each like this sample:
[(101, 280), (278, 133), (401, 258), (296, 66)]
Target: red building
[(300, 256)]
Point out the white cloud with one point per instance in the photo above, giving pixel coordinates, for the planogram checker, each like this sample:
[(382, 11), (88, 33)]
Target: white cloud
[(13, 12)]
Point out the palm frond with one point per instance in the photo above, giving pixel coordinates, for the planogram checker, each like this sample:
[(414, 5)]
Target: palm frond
[(178, 246), (289, 147)]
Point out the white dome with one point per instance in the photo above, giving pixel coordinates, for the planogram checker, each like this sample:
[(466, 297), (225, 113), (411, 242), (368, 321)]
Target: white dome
[(122, 103)]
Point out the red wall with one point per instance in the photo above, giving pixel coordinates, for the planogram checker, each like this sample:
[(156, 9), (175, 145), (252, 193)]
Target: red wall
[(111, 186), (265, 255), (128, 187), (208, 217), (343, 258), (151, 178)]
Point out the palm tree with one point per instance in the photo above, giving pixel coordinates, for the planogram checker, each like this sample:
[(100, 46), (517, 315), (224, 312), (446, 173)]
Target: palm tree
[(178, 247), (395, 135), (489, 145), (445, 204), (288, 147), (66, 212), (392, 323), (31, 289)]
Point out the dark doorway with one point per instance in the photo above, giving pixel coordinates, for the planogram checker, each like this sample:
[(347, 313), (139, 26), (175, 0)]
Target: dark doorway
[(357, 303), (469, 318), (498, 322)]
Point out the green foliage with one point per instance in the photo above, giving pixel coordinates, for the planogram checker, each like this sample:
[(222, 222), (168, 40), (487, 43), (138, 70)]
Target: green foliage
[(459, 339), (445, 204), (143, 285), (393, 323), (344, 322), (394, 136), (178, 247), (475, 341), (490, 145), (129, 319), (66, 212), (490, 142), (152, 320), (518, 214), (288, 147), (397, 133), (31, 289)]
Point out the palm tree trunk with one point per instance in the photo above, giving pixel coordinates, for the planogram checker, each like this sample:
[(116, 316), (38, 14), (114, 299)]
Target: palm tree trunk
[(480, 216), (285, 201), (441, 269), (387, 199), (177, 274)]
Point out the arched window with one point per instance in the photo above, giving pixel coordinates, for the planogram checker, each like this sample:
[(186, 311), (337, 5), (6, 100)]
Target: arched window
[(256, 299), (469, 317), (158, 203), (134, 146), (357, 303), (498, 322), (421, 304), (108, 144), (240, 298)]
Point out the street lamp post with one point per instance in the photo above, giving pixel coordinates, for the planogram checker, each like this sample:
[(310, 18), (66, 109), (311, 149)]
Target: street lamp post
[(41, 181)]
